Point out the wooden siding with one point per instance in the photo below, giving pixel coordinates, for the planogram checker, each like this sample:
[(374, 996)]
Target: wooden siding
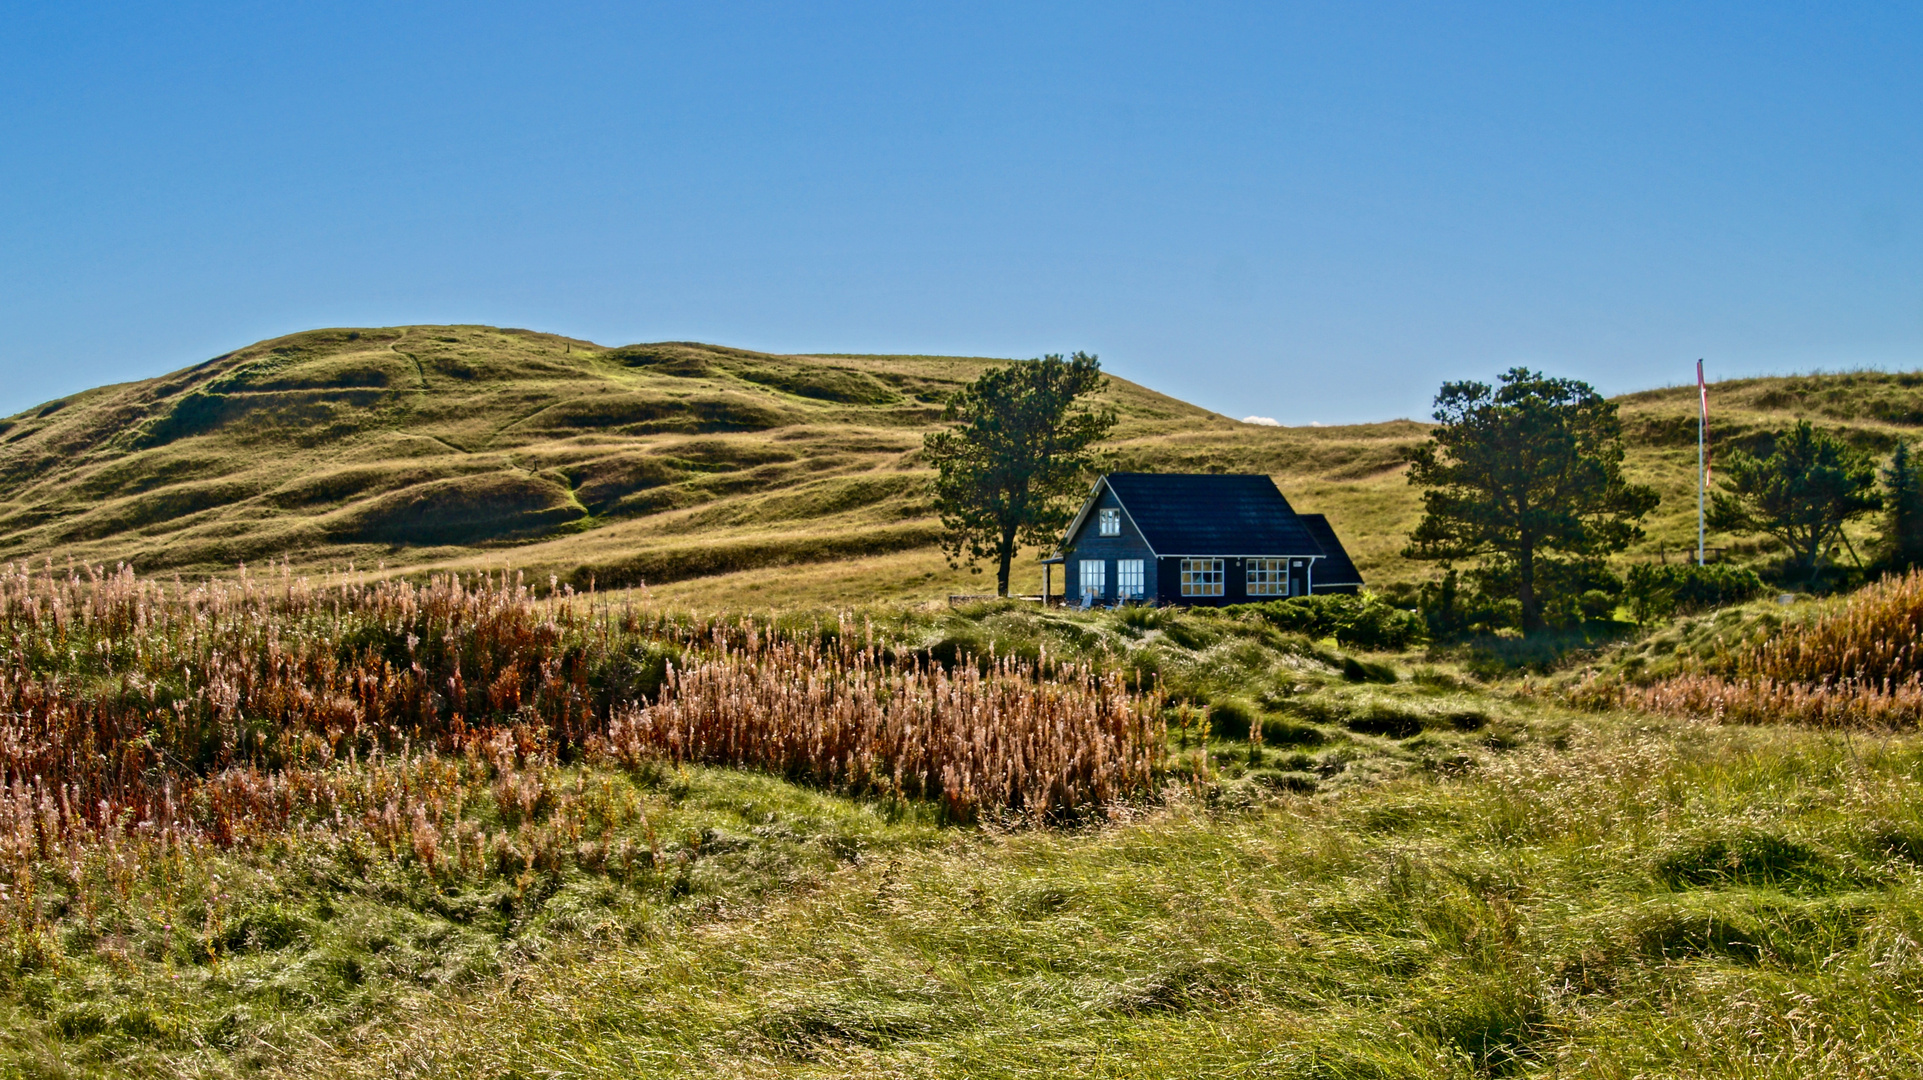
[(1235, 583), (1181, 507), (1088, 544)]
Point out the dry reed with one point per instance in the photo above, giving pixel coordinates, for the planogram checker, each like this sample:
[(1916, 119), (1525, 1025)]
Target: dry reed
[(1857, 666), (239, 711), (1032, 737)]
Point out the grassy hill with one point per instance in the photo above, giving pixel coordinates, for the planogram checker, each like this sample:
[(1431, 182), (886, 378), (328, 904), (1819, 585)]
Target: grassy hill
[(693, 468)]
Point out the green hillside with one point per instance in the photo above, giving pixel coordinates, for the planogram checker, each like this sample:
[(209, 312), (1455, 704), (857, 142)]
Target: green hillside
[(692, 468)]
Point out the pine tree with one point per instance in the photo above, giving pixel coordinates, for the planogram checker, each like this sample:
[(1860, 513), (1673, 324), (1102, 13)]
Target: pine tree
[(1802, 494), (1903, 500), (1018, 452), (1522, 475)]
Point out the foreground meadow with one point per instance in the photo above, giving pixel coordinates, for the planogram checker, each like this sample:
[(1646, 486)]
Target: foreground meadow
[(1623, 898), (273, 827)]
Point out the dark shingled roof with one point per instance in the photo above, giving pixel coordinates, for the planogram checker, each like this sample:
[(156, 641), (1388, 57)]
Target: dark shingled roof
[(1336, 569), (1212, 514)]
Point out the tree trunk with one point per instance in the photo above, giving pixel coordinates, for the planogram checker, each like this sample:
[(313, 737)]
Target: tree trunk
[(1006, 555), (1532, 621)]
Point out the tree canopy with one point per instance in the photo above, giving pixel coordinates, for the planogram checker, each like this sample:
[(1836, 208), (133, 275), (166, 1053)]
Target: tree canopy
[(1801, 494), (1018, 450), (1903, 501), (1526, 476)]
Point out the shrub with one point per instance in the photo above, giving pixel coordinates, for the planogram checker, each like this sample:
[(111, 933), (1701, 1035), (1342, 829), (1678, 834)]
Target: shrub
[(1360, 620), (1657, 591)]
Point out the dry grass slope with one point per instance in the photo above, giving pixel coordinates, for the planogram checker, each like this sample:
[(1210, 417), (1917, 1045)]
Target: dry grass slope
[(692, 468)]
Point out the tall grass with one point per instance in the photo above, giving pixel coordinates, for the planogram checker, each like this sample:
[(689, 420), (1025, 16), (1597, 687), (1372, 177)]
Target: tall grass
[(1032, 736), (226, 709), (1857, 665)]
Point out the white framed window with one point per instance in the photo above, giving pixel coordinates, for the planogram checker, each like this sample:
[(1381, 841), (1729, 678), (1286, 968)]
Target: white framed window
[(1268, 577), (1108, 522), (1130, 581), (1201, 577), (1094, 578)]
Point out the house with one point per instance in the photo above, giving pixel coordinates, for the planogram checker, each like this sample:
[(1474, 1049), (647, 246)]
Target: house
[(1206, 538)]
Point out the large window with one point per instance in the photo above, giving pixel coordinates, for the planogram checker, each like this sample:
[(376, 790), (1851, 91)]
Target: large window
[(1108, 522), (1268, 577), (1129, 580), (1201, 577), (1094, 578)]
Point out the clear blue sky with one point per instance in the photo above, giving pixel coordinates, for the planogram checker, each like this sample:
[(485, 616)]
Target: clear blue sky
[(1310, 212)]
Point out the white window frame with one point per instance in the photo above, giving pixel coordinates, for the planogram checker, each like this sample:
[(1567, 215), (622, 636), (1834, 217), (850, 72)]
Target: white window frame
[(1131, 579), (1202, 577), (1268, 577), (1093, 571), (1108, 522)]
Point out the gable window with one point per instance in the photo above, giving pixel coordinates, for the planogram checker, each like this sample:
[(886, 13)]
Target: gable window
[(1108, 522), (1201, 577), (1129, 579), (1268, 577), (1094, 578)]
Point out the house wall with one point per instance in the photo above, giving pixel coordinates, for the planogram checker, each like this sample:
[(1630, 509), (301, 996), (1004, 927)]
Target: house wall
[(1087, 544), (1163, 578), (1235, 583)]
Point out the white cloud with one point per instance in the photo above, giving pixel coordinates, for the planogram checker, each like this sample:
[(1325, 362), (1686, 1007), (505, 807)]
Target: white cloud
[(1265, 421)]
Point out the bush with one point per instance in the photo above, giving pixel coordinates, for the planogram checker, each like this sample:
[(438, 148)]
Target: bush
[(1657, 591), (1361, 620)]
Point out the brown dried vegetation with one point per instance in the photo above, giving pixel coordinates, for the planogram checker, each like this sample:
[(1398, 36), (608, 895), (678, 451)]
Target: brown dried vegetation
[(241, 712), (1858, 665)]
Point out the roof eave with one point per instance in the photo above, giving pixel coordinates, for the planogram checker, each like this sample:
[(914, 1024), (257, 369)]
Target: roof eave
[(1094, 493)]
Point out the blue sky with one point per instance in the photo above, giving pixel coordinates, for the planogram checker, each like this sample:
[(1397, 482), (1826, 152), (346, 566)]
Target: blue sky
[(1316, 213)]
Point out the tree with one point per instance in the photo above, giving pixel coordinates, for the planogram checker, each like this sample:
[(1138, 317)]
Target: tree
[(1903, 501), (1522, 476), (1020, 449), (1801, 494)]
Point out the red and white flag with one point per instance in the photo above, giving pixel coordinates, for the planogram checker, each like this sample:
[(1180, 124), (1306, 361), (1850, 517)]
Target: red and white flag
[(1702, 391)]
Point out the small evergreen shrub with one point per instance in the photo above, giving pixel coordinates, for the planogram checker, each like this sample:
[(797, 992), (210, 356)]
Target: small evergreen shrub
[(1359, 620), (1657, 591)]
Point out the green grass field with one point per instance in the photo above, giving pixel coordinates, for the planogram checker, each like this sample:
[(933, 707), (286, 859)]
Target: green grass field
[(1423, 867), (1610, 899), (1414, 873), (694, 469)]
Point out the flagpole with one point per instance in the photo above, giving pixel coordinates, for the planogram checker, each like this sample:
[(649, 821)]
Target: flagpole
[(1702, 422)]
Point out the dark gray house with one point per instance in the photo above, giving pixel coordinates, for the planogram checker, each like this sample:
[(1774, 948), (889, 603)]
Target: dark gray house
[(1205, 538)]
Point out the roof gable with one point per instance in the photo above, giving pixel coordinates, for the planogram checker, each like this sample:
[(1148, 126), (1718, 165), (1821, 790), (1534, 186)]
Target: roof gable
[(1085, 518), (1338, 568), (1209, 514)]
